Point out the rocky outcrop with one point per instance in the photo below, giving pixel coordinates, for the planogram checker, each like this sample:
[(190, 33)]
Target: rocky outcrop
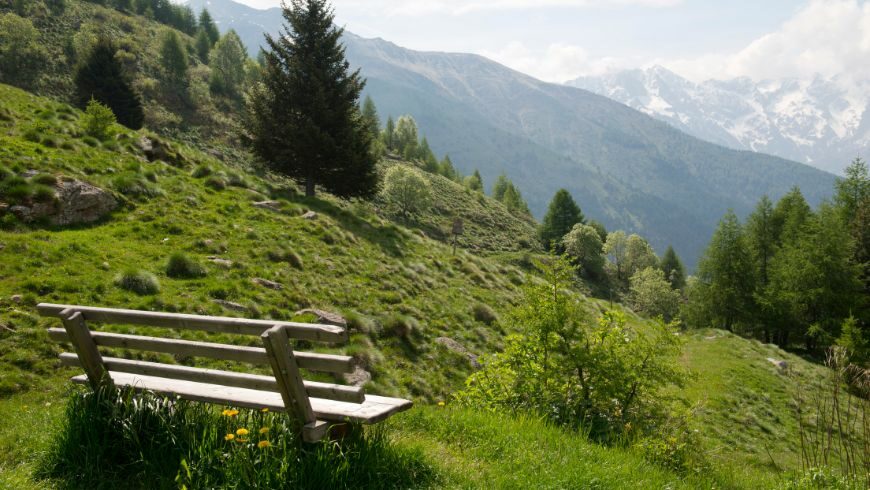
[(267, 283), (156, 149), (75, 202), (325, 317), (455, 346)]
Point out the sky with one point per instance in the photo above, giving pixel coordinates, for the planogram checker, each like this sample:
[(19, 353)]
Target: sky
[(558, 40)]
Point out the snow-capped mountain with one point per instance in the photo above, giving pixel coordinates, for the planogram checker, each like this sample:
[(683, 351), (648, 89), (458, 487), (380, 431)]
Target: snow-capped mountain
[(823, 122)]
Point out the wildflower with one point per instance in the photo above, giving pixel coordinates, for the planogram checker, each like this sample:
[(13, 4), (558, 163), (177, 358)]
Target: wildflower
[(263, 444), (265, 410), (229, 437), (230, 413), (264, 430), (242, 432), (440, 404)]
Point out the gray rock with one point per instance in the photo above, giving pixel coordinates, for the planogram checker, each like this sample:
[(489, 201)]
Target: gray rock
[(267, 283), (225, 263), (270, 205), (455, 346), (325, 317), (80, 202), (358, 377), (16, 298), (778, 363), (310, 215), (231, 306)]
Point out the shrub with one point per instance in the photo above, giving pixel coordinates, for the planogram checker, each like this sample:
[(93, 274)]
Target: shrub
[(134, 185), (98, 120), (401, 326), (407, 190), (137, 281), (180, 266), (44, 179), (600, 375), (484, 314), (201, 171)]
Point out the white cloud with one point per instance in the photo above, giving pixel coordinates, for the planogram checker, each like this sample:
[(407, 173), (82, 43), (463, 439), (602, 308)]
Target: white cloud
[(557, 63), (827, 37), (413, 8)]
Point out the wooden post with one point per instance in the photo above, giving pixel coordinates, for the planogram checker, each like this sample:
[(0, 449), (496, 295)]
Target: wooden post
[(86, 348), (290, 383), (457, 230)]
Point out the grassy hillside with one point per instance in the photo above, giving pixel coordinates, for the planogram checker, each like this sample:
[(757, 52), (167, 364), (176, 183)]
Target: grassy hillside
[(400, 289)]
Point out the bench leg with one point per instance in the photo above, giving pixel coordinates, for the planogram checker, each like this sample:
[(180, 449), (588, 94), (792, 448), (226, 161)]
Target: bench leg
[(314, 431), (341, 431)]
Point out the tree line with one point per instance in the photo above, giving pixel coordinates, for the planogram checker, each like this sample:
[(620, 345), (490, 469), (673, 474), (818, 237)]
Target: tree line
[(789, 274)]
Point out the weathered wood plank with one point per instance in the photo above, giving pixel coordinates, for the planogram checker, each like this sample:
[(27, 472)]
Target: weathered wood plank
[(374, 409), (287, 373), (242, 326), (254, 355), (350, 394), (87, 351)]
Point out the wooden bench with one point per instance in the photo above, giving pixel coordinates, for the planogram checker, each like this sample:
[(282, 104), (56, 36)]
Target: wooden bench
[(314, 404)]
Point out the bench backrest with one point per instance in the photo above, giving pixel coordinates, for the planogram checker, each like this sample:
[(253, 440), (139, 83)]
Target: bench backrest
[(276, 352)]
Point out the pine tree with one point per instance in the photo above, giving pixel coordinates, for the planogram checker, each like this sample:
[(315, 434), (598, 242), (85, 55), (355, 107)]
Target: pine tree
[(500, 187), (514, 202), (203, 44), (760, 233), (562, 214), (853, 202), (370, 115), (673, 268), (101, 77), (227, 63), (430, 163), (206, 23), (173, 57), (725, 273), (389, 134), (474, 182), (789, 216), (305, 121), (447, 169)]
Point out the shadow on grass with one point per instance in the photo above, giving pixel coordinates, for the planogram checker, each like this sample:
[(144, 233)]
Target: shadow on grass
[(115, 439)]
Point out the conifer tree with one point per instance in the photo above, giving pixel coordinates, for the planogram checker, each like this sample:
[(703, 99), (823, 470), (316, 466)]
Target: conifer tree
[(202, 43), (430, 163), (206, 23), (673, 268), (474, 182), (173, 57), (500, 187), (305, 121), (370, 115), (101, 77), (447, 169), (760, 234), (562, 214), (389, 134)]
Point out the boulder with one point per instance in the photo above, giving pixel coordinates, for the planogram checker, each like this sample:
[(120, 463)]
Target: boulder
[(267, 283), (80, 202), (778, 363), (325, 317), (155, 149), (270, 205), (358, 377), (221, 262), (310, 215), (231, 306), (455, 346)]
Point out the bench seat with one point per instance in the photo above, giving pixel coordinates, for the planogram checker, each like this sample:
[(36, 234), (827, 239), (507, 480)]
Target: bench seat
[(372, 410)]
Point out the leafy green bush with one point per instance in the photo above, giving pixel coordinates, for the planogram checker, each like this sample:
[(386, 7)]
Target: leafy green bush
[(140, 282), (98, 120), (600, 375), (181, 266)]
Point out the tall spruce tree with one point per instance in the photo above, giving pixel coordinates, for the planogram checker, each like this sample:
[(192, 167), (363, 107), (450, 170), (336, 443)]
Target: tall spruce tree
[(101, 77), (673, 268), (562, 214), (206, 23), (305, 121), (370, 115), (389, 134), (499, 187)]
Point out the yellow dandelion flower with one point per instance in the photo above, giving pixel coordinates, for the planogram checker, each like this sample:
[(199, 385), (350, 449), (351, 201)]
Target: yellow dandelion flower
[(229, 437), (264, 430), (263, 444), (264, 410), (242, 432), (440, 404), (230, 413)]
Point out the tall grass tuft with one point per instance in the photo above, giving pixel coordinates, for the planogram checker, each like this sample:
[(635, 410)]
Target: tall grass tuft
[(181, 266), (115, 439), (139, 282)]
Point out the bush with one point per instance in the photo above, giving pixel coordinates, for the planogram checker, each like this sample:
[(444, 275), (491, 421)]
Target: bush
[(484, 314), (401, 326), (407, 190), (180, 266), (599, 375), (98, 120), (137, 281)]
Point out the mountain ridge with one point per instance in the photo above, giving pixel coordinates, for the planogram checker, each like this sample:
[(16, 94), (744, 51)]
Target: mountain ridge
[(625, 168)]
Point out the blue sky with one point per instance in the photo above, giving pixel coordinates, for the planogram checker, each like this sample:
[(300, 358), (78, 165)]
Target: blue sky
[(560, 39)]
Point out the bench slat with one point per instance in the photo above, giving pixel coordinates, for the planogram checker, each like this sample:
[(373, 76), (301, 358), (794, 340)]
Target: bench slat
[(255, 355), (219, 324), (257, 382), (374, 409)]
